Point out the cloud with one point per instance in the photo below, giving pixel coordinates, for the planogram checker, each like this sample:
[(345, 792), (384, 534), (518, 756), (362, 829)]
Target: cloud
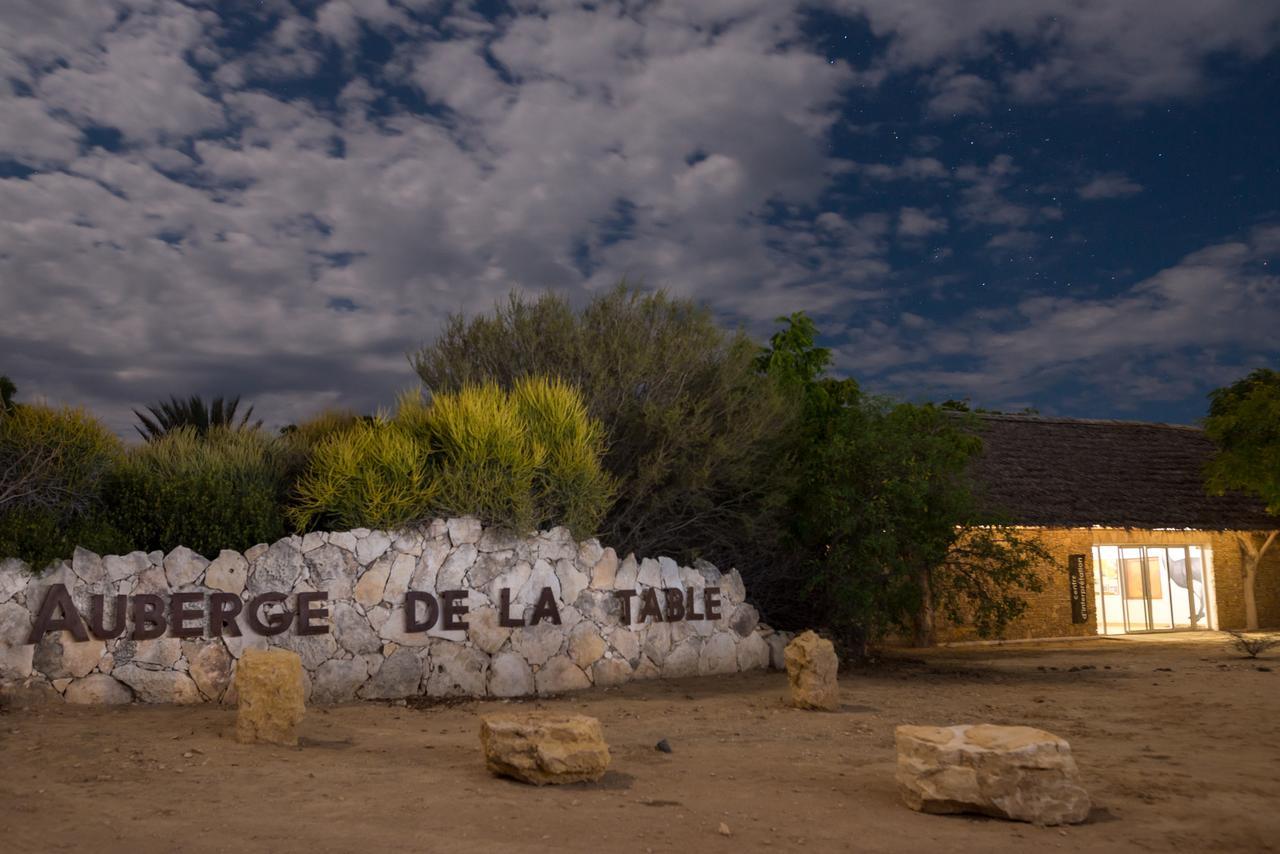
[(915, 223), (1109, 185)]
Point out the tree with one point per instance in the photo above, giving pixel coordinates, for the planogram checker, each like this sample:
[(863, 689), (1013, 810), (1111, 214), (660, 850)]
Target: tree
[(883, 519), (1244, 423), (693, 431), (193, 412)]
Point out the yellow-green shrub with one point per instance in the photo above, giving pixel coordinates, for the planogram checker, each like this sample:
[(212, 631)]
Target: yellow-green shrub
[(222, 490), (371, 474), (53, 462)]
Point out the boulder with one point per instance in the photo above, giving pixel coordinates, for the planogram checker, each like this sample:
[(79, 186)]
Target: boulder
[(560, 674), (210, 669), (464, 531), (811, 670), (227, 573), (158, 686), (510, 676), (182, 567), (270, 696), (605, 571), (1013, 772), (542, 748)]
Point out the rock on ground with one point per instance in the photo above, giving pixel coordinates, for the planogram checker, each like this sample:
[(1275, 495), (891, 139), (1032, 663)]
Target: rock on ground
[(811, 669), (1013, 772), (270, 695), (542, 747)]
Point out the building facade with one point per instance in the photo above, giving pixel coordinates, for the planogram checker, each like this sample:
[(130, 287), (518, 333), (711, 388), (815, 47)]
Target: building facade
[(1136, 543)]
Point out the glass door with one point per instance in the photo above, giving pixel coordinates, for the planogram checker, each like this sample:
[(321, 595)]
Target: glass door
[(1149, 588), (1133, 581)]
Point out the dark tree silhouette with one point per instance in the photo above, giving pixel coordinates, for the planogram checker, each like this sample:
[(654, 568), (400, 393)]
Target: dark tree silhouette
[(193, 412)]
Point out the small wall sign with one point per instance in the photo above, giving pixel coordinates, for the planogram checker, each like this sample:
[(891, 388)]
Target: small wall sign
[(1079, 589)]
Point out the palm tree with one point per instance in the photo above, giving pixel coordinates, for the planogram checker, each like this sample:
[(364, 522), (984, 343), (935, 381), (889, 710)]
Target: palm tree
[(193, 412)]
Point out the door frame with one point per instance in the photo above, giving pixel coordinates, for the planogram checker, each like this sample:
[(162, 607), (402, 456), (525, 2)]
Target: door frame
[(1206, 560)]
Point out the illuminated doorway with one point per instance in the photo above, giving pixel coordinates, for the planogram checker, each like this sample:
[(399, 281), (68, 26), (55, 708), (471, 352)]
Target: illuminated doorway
[(1151, 589)]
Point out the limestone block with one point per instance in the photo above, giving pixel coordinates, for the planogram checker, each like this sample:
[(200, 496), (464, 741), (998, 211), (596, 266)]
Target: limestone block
[(182, 567), (16, 655), (210, 669), (158, 686), (399, 676), (368, 589), (719, 655), (572, 580), (372, 546), (586, 644), (753, 653), (605, 571), (744, 620), (337, 680), (537, 644), (811, 669), (464, 531), (275, 569), (270, 696), (484, 631), (14, 576), (610, 671), (626, 576), (1013, 772), (456, 670), (542, 748), (331, 569)]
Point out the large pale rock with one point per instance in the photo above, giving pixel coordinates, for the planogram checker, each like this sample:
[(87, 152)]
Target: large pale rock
[(352, 631), (719, 655), (536, 644), (586, 645), (227, 573), (182, 567), (753, 653), (331, 569), (572, 580), (402, 568), (88, 566), (455, 568), (464, 531), (484, 631), (372, 546), (98, 689), (627, 573), (605, 571), (744, 620), (368, 589), (14, 576), (683, 660), (542, 748), (337, 681), (510, 676), (1013, 772), (59, 655), (276, 569), (811, 669), (270, 697), (610, 671), (559, 675)]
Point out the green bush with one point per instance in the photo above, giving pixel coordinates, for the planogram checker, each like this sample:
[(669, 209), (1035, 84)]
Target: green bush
[(53, 465), (370, 474), (218, 491), (521, 460), (693, 433)]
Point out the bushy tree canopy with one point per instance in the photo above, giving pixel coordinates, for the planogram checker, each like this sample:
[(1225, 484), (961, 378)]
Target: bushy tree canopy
[(693, 432), (1244, 422)]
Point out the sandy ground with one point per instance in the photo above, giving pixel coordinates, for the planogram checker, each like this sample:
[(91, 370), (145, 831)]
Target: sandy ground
[(1179, 743)]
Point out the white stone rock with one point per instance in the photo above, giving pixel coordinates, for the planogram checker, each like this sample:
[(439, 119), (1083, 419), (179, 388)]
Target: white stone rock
[(453, 573), (277, 569), (683, 660), (650, 574), (732, 587), (537, 644), (542, 576), (121, 567), (1013, 772), (371, 584), (719, 655), (210, 668), (627, 576), (314, 650), (98, 689), (646, 669), (16, 654), (509, 676), (59, 655), (670, 573), (338, 680), (159, 653), (496, 539), (777, 643), (514, 579), (227, 573), (332, 570), (401, 573), (372, 547), (399, 676), (484, 631), (394, 630), (182, 567), (344, 540), (313, 540), (434, 553), (657, 642), (753, 653), (464, 531), (560, 674), (408, 542), (626, 643), (456, 670), (557, 544), (586, 645), (605, 571), (88, 567), (14, 575), (352, 631), (254, 552), (572, 580), (610, 671), (744, 620)]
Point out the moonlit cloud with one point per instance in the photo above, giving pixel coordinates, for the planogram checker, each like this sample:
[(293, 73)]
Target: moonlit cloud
[(280, 200)]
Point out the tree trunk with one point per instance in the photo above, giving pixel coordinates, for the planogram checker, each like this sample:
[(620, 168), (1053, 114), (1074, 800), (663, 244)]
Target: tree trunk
[(1251, 552), (924, 633)]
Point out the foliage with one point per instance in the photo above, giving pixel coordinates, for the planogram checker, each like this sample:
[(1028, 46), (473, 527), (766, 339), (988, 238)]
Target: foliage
[(53, 463), (692, 432), (881, 512), (1244, 422), (7, 391), (217, 490), (522, 459), (194, 413), (1252, 645), (370, 474)]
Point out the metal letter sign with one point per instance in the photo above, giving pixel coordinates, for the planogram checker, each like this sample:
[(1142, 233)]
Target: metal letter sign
[(1079, 590)]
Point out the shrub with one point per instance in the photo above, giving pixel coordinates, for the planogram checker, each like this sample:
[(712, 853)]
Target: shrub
[(53, 465), (521, 460), (219, 491), (168, 415), (692, 431), (371, 474)]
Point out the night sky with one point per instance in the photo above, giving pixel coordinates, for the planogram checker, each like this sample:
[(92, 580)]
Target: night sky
[(1071, 205)]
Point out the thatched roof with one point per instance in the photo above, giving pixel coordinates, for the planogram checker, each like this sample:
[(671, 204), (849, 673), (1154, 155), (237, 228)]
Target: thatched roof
[(1058, 472)]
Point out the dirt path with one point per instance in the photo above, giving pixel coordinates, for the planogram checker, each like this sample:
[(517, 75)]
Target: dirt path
[(1178, 742)]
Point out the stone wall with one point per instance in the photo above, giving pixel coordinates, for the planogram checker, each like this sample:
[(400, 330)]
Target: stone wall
[(355, 640), (1048, 613)]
